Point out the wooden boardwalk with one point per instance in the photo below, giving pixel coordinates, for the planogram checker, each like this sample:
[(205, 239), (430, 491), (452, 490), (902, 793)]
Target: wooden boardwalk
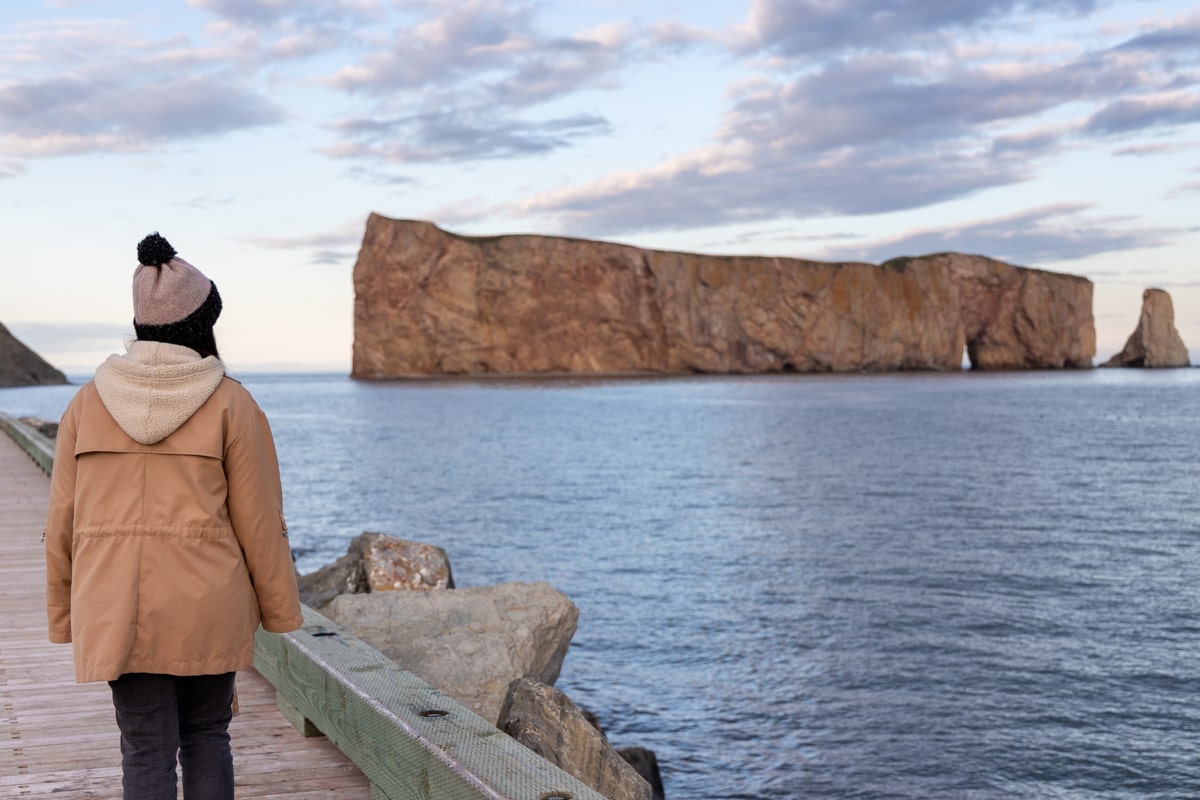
[(59, 738)]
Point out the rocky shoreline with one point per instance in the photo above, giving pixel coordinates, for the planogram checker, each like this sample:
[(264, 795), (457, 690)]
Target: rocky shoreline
[(497, 650)]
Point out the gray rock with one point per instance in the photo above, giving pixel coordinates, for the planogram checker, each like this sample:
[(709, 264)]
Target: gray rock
[(1154, 342), (344, 576), (45, 427), (546, 721), (646, 764), (470, 643)]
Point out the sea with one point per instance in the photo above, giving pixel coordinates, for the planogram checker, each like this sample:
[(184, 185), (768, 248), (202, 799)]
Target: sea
[(909, 585)]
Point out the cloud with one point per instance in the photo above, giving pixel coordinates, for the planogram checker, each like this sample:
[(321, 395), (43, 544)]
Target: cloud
[(335, 247), (736, 182), (1132, 114), (424, 81), (1183, 189), (203, 202), (905, 99), (73, 89), (1156, 149), (465, 40), (10, 168), (252, 11), (1036, 142), (1061, 232), (267, 12), (872, 132), (781, 235), (461, 83), (112, 113), (808, 29), (380, 177), (262, 33), (458, 135), (350, 233), (1182, 35)]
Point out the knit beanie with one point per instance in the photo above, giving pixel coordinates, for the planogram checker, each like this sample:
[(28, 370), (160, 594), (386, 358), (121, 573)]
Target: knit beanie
[(173, 302)]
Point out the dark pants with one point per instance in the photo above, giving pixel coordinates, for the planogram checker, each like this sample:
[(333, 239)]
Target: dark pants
[(161, 715)]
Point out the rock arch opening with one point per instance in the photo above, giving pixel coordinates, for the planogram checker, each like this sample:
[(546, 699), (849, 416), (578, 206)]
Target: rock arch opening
[(970, 359)]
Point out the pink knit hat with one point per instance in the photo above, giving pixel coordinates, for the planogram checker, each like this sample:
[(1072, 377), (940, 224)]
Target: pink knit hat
[(172, 300)]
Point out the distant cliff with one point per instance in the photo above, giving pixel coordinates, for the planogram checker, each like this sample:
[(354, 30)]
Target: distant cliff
[(20, 366), (428, 302)]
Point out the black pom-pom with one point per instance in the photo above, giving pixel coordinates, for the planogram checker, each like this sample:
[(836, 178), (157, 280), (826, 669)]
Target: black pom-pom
[(154, 251)]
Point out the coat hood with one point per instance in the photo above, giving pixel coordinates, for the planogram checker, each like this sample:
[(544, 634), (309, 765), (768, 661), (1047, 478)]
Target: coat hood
[(156, 387)]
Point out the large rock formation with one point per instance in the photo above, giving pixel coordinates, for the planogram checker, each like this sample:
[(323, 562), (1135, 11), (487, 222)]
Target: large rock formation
[(430, 302), (1154, 342), (20, 366)]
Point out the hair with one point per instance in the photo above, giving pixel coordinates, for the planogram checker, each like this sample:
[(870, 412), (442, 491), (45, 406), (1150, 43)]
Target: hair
[(204, 343)]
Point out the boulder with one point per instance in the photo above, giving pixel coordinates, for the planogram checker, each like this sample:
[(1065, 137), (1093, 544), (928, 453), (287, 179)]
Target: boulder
[(377, 562), (429, 302), (470, 643), (645, 762), (546, 721), (1154, 342), (20, 366), (390, 564), (344, 576), (45, 427)]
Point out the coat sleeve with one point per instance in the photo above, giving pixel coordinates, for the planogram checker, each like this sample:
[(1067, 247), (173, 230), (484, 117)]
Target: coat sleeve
[(255, 502), (60, 522)]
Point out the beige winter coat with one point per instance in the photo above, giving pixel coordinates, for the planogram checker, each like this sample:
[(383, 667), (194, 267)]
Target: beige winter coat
[(165, 540)]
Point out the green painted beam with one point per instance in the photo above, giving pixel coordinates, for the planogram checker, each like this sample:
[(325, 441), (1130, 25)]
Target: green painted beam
[(39, 447), (411, 740)]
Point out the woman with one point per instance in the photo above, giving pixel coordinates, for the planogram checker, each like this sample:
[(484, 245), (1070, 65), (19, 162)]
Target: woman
[(165, 539)]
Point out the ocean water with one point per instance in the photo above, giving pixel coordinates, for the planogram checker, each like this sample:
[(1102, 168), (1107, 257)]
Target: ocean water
[(893, 586)]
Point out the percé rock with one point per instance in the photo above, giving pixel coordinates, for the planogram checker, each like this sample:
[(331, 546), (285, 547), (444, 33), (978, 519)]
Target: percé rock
[(20, 366), (376, 562), (1154, 342), (470, 643), (428, 302), (546, 721)]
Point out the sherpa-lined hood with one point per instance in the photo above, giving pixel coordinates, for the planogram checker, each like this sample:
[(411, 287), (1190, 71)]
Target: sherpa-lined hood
[(156, 387)]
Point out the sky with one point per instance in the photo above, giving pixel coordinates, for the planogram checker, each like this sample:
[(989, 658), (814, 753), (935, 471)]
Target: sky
[(258, 135)]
